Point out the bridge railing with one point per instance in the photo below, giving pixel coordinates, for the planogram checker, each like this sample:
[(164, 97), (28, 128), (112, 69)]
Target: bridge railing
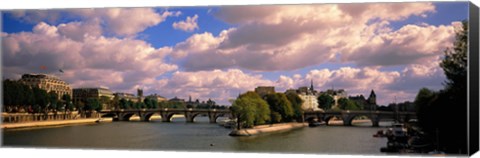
[(165, 110)]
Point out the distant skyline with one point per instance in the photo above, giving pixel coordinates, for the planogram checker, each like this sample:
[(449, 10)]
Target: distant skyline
[(219, 52)]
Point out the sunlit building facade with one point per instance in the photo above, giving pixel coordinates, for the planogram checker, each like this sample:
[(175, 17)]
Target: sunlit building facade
[(48, 83)]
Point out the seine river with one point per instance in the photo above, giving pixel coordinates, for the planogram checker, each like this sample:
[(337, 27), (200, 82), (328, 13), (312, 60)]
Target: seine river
[(200, 136)]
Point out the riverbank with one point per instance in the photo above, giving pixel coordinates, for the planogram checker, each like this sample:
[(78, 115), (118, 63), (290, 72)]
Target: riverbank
[(263, 129), (37, 124), (51, 123), (340, 122)]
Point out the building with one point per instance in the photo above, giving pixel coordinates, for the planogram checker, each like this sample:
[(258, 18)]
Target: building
[(308, 95), (48, 83), (80, 95), (178, 100), (336, 95), (157, 97), (264, 90), (372, 101), (126, 96), (310, 102), (360, 100)]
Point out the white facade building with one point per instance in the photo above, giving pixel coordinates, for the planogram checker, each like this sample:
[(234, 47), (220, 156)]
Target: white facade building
[(310, 102)]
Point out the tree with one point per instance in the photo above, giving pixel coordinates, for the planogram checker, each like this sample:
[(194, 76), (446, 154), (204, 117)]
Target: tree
[(147, 102), (432, 107), (40, 97), (92, 104), (123, 103), (279, 103), (455, 63), (347, 104), (296, 102), (68, 102), (250, 110), (53, 100), (326, 101), (154, 103), (105, 101), (116, 102), (150, 103), (130, 104)]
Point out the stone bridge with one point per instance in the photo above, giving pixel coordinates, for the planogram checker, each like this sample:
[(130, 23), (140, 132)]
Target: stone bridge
[(166, 114), (348, 116), (190, 114)]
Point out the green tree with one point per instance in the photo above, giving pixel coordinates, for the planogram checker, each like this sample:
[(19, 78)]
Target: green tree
[(250, 110), (123, 103), (116, 102), (53, 100), (296, 102), (432, 107), (68, 102), (130, 104), (147, 102), (326, 101), (105, 102), (41, 98), (279, 103), (92, 104), (150, 103), (347, 104), (154, 103)]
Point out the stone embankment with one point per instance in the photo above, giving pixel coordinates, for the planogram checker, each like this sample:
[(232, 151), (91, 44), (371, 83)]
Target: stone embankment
[(264, 129), (35, 124), (51, 123)]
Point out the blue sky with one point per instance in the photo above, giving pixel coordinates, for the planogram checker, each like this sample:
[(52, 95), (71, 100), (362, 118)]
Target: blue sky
[(227, 50)]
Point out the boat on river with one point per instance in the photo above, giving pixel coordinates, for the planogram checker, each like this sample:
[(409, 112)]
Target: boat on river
[(228, 123), (315, 123)]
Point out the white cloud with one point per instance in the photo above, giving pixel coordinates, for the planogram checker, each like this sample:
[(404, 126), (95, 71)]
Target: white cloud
[(121, 64), (276, 38), (188, 25), (215, 84), (117, 21)]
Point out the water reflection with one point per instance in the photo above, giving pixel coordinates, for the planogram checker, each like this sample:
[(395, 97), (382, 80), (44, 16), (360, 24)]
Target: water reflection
[(199, 136)]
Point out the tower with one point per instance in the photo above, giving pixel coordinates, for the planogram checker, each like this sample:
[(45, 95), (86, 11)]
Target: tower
[(311, 85), (140, 92), (372, 99)]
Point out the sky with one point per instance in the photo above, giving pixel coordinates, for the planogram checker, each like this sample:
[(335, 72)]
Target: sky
[(221, 51)]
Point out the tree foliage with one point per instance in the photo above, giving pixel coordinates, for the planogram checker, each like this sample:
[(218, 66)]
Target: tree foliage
[(68, 102), (53, 100), (325, 101), (279, 103), (92, 104), (347, 104), (443, 114), (150, 103), (296, 102), (250, 110)]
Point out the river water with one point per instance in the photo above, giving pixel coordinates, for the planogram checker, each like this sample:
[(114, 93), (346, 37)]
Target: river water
[(199, 136)]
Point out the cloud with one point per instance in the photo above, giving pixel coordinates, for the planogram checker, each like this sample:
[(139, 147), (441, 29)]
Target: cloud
[(215, 84), (222, 85), (117, 21), (290, 37), (188, 25), (120, 64), (410, 44)]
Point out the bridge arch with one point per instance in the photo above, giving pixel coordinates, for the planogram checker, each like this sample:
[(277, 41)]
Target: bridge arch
[(373, 119), (126, 117), (167, 116), (146, 117), (327, 118), (112, 115)]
